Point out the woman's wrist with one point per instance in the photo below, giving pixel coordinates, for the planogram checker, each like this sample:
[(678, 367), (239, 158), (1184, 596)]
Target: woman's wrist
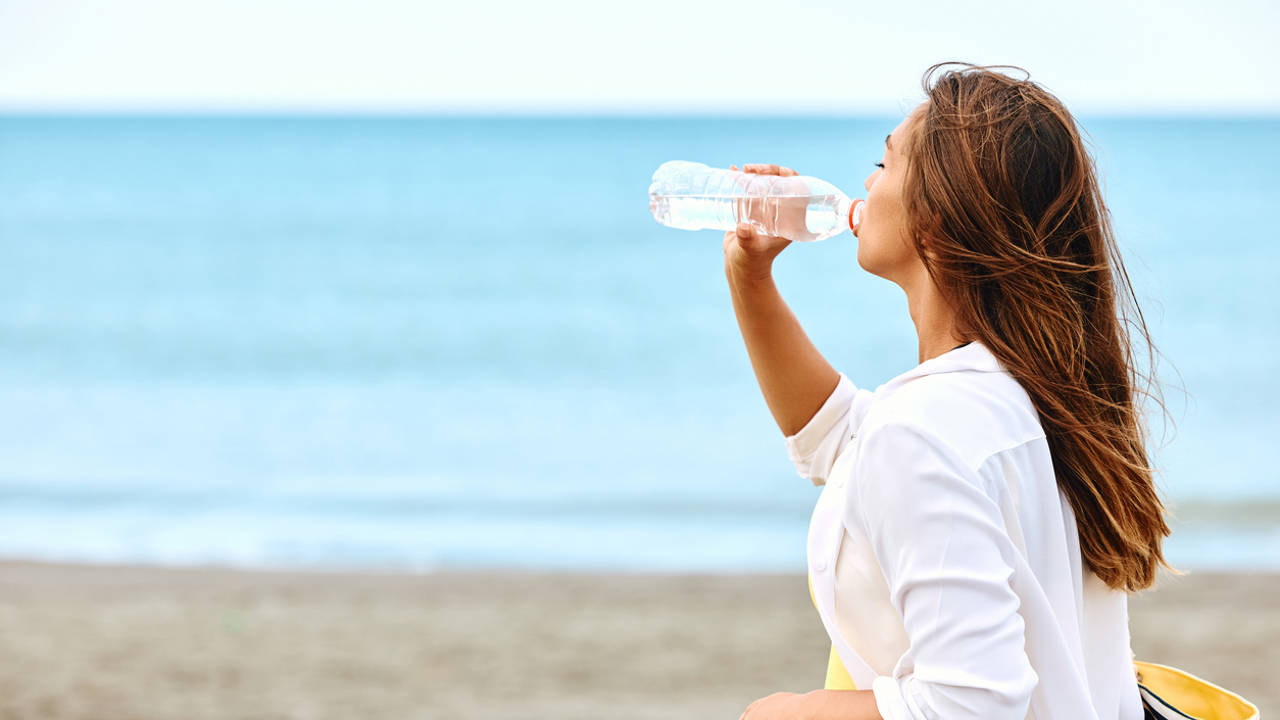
[(746, 275)]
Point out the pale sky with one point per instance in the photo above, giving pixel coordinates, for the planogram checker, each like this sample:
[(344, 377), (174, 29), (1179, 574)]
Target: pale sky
[(776, 57)]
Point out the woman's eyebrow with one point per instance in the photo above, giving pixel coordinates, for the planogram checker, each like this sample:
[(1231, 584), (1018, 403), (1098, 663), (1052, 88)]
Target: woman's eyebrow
[(886, 141)]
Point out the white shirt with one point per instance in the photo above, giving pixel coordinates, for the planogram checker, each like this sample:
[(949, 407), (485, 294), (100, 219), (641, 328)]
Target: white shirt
[(945, 561)]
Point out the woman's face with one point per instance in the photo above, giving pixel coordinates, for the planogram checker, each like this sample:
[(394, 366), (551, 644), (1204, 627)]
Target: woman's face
[(884, 246)]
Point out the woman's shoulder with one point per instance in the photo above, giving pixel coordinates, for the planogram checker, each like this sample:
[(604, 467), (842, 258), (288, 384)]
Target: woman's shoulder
[(974, 414)]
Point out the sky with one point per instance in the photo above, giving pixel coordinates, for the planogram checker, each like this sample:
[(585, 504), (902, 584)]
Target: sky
[(662, 56)]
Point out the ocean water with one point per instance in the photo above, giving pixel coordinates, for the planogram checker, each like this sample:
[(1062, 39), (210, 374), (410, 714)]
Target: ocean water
[(454, 342)]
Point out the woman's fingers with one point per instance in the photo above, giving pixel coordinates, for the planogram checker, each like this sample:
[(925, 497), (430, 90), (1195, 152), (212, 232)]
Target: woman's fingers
[(769, 169)]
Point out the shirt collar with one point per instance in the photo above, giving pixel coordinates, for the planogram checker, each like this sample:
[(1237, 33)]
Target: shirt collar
[(974, 357)]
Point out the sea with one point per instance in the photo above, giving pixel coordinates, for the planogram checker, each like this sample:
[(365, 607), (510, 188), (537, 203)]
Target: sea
[(421, 343)]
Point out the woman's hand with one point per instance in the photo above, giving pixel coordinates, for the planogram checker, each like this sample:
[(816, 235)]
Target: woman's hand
[(748, 253)]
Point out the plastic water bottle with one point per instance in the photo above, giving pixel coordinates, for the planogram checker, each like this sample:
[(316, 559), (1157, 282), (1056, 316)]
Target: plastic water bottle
[(692, 196)]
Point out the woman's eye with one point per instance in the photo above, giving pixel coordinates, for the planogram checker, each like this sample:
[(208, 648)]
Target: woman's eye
[(879, 165)]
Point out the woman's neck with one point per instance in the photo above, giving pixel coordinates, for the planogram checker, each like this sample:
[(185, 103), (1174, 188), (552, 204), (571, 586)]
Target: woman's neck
[(934, 319)]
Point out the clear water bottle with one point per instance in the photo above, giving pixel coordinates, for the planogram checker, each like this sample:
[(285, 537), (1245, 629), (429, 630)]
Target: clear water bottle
[(692, 196)]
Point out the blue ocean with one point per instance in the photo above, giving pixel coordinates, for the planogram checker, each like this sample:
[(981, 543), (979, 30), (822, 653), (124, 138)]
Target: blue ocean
[(421, 343)]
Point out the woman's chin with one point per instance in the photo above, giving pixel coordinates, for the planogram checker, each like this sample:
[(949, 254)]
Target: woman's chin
[(866, 257)]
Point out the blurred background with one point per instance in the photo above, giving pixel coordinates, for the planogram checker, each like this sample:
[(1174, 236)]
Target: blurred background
[(374, 287), (378, 287)]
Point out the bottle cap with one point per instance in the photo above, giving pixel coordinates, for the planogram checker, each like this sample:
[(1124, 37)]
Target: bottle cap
[(855, 215)]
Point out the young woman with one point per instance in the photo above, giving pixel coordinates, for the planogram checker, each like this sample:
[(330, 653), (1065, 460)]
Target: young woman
[(984, 514)]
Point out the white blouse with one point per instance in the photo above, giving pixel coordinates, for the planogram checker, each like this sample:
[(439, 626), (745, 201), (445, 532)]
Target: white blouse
[(945, 561)]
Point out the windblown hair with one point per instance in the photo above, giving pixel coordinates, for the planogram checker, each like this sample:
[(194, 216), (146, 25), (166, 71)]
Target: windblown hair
[(1007, 215)]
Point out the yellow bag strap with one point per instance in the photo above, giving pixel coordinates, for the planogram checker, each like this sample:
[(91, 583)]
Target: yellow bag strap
[(1194, 697)]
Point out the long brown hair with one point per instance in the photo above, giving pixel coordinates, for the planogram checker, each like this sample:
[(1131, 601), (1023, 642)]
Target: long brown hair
[(1008, 218)]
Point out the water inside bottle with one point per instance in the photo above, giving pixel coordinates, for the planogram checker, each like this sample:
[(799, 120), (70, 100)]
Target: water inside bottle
[(801, 218)]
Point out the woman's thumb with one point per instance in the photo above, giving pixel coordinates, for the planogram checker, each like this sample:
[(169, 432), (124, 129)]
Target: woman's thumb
[(744, 230)]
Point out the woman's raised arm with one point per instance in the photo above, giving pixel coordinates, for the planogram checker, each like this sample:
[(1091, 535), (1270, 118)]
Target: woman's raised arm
[(794, 377)]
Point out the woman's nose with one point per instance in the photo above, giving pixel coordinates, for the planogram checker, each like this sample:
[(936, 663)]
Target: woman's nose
[(867, 183)]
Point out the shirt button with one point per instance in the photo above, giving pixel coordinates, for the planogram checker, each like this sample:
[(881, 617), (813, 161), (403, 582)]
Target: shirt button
[(820, 565)]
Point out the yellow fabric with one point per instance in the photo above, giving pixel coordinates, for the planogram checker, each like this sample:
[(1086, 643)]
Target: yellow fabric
[(1193, 696), (837, 676)]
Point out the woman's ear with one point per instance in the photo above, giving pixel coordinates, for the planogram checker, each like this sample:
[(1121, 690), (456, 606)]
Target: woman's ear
[(927, 246), (930, 237)]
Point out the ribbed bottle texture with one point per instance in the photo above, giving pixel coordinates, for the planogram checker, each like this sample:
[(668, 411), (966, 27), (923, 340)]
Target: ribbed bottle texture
[(692, 196)]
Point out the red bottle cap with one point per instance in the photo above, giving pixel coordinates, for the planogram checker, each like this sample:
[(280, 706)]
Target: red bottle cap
[(853, 205)]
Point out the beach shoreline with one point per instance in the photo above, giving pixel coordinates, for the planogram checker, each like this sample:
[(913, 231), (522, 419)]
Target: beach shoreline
[(88, 641)]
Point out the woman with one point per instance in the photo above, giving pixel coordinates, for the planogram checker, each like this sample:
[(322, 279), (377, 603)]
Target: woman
[(985, 513)]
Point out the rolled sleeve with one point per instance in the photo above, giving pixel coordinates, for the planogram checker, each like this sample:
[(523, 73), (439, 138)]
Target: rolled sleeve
[(813, 449), (889, 699), (947, 560)]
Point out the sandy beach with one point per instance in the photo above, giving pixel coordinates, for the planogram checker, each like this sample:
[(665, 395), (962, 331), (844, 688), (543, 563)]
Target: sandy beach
[(130, 642)]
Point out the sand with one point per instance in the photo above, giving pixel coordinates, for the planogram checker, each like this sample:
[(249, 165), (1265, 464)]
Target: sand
[(129, 642)]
